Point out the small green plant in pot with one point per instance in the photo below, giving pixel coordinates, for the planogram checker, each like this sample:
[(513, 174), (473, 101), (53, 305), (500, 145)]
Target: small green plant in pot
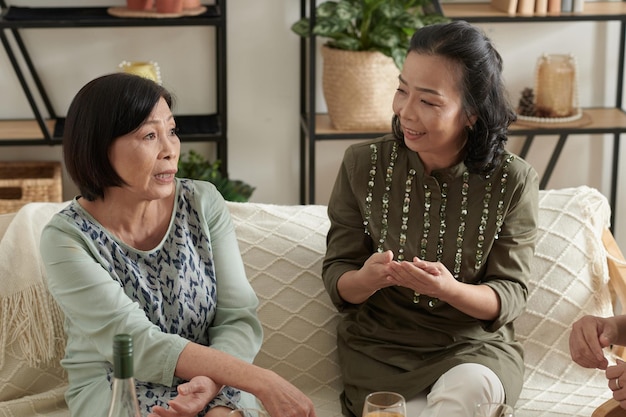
[(385, 26), (195, 166)]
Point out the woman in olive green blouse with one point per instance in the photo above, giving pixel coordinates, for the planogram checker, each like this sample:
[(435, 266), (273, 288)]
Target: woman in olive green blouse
[(432, 232)]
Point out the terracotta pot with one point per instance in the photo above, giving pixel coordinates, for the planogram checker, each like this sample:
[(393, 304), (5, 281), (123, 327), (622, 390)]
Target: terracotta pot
[(140, 4), (169, 6), (191, 4)]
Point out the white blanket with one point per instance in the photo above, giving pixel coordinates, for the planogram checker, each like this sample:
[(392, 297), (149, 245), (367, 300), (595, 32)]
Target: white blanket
[(28, 314)]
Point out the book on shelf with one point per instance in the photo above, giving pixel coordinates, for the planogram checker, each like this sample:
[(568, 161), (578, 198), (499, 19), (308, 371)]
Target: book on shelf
[(567, 6), (526, 7), (541, 7), (578, 6), (556, 6), (507, 6)]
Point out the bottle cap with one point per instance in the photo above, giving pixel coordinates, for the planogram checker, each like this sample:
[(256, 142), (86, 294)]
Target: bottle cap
[(123, 356)]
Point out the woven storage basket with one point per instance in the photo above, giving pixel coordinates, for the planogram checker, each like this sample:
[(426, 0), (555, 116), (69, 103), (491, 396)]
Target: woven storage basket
[(358, 87), (26, 182)]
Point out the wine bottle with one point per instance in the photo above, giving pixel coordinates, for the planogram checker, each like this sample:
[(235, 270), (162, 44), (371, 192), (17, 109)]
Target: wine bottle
[(124, 400)]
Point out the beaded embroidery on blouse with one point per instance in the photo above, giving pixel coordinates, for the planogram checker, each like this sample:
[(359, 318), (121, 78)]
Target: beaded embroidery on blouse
[(427, 224)]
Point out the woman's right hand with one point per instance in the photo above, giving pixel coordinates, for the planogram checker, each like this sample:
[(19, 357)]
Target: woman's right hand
[(589, 336), (357, 286)]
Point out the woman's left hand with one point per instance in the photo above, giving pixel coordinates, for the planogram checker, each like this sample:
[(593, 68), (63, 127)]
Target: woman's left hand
[(192, 397), (429, 278), (616, 375)]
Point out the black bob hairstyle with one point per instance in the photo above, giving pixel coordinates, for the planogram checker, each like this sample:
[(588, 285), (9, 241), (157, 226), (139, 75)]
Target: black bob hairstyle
[(104, 109)]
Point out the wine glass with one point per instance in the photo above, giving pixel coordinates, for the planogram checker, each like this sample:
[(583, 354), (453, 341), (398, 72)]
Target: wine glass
[(248, 412), (493, 410), (384, 404)]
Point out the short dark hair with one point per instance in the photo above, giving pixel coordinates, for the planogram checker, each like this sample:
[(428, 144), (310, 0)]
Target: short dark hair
[(483, 92), (104, 109)]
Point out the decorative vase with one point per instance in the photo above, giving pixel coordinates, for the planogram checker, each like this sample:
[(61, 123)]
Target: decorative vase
[(556, 91), (169, 6), (359, 87), (140, 4)]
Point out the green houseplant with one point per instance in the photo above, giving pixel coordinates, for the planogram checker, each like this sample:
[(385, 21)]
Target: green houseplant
[(195, 166), (385, 26), (367, 41)]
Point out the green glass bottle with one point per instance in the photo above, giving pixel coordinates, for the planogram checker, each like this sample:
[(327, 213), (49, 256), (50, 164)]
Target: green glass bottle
[(124, 399)]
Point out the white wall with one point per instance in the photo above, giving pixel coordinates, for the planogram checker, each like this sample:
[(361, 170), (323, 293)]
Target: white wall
[(263, 88)]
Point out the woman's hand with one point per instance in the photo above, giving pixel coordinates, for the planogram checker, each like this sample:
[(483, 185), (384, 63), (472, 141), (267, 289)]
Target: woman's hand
[(192, 397), (429, 278), (589, 336), (435, 280), (281, 399), (357, 286), (616, 375)]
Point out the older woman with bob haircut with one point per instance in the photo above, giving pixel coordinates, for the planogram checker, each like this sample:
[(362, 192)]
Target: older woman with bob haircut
[(142, 252)]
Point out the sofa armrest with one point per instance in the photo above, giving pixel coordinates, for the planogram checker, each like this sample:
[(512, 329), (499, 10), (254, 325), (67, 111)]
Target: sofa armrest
[(610, 408)]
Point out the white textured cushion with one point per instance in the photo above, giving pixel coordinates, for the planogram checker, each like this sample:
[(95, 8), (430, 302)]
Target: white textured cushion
[(282, 248), (569, 279)]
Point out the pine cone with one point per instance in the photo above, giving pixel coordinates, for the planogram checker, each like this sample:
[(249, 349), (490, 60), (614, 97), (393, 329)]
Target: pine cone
[(526, 105)]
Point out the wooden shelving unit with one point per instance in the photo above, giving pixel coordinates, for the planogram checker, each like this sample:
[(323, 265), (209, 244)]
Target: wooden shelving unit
[(612, 120), (46, 127)]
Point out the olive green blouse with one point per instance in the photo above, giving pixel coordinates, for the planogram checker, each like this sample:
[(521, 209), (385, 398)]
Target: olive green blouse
[(482, 228)]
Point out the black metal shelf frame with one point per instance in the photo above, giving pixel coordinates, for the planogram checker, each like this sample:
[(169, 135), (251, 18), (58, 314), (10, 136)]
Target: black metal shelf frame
[(192, 128), (309, 136)]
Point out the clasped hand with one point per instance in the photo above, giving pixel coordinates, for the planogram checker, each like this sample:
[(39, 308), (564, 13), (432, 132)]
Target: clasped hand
[(589, 336), (429, 278)]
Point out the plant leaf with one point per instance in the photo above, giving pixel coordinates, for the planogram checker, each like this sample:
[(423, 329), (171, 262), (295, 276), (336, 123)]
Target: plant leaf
[(302, 27)]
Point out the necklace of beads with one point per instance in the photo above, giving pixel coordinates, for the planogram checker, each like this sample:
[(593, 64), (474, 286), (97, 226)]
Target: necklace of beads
[(479, 256)]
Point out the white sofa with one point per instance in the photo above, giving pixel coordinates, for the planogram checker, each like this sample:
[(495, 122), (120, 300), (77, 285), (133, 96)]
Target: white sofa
[(282, 248)]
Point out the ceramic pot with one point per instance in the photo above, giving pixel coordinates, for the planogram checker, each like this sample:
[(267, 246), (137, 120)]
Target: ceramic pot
[(149, 70), (169, 6), (139, 4), (191, 4)]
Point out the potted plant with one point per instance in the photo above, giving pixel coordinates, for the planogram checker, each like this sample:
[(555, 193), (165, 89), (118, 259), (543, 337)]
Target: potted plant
[(195, 166), (371, 36)]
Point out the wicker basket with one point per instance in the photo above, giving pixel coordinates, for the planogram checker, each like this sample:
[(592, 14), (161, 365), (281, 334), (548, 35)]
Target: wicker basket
[(26, 182), (358, 87)]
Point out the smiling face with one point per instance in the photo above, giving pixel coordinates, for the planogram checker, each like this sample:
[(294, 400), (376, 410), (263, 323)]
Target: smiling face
[(147, 158), (429, 105)]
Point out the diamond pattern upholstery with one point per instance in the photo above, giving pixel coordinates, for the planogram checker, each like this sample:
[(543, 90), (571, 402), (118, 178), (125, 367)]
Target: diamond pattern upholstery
[(282, 248), (569, 280)]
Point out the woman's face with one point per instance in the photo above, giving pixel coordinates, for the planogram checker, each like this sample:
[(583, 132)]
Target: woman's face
[(147, 158), (428, 103)]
